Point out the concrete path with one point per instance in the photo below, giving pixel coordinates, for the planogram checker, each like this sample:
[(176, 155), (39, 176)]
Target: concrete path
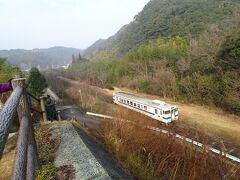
[(74, 112), (89, 158)]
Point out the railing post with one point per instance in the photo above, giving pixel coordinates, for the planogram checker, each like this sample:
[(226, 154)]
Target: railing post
[(20, 164), (43, 109), (32, 155), (23, 109)]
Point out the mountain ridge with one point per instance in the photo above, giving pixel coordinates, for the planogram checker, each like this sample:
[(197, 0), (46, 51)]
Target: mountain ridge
[(40, 57), (162, 18)]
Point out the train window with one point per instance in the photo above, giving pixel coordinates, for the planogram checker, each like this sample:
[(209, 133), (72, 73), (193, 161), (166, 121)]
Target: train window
[(141, 106), (138, 105), (156, 111), (135, 104), (127, 102), (167, 112), (145, 107), (124, 101), (131, 103), (160, 112)]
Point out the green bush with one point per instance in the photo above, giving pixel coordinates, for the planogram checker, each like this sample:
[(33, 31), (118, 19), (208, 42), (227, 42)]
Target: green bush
[(7, 72), (145, 86)]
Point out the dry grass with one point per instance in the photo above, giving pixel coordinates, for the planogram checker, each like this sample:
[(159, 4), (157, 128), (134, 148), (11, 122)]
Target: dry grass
[(152, 156), (90, 98), (212, 121), (6, 163)]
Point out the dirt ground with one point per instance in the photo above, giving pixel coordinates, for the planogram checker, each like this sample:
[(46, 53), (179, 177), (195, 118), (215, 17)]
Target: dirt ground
[(210, 120)]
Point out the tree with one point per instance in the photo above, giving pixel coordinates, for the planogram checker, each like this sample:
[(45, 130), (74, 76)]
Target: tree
[(231, 53), (7, 72), (37, 82)]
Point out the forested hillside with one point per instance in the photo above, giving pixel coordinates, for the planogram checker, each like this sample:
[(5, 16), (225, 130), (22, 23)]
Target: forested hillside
[(165, 18), (182, 49), (25, 59)]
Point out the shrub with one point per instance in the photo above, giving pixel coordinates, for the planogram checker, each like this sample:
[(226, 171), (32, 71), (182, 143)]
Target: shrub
[(145, 86)]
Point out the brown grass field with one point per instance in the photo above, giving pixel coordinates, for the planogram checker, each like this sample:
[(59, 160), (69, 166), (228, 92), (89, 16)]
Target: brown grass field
[(148, 155), (209, 120)]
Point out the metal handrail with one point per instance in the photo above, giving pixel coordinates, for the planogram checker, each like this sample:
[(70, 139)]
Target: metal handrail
[(26, 158)]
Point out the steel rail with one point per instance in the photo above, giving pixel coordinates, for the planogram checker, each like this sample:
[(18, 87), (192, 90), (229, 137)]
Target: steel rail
[(188, 140), (6, 116)]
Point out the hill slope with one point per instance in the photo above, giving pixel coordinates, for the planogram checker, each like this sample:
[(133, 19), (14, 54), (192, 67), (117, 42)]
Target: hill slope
[(163, 18), (44, 58), (181, 49)]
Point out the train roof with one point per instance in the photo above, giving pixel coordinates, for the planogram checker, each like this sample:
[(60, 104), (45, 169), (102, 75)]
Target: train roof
[(149, 102)]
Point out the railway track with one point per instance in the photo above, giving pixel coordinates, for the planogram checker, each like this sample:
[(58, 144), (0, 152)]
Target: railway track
[(226, 149), (215, 145)]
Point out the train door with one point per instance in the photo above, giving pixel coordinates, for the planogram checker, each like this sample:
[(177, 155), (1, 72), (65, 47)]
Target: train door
[(156, 113), (173, 114)]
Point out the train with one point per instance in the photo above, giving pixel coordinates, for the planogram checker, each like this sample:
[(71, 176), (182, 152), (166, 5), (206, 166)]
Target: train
[(155, 109)]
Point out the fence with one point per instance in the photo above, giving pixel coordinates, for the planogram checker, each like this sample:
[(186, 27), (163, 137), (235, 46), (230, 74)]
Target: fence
[(26, 157)]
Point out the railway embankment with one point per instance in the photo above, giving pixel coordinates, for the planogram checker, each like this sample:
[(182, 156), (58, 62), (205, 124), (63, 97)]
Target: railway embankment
[(87, 158), (144, 153)]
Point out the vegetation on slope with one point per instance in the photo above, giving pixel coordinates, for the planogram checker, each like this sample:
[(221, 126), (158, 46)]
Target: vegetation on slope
[(167, 18), (200, 66), (204, 70), (7, 72), (149, 155)]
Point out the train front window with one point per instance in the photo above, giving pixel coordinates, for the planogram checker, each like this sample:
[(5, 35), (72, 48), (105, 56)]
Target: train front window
[(167, 112)]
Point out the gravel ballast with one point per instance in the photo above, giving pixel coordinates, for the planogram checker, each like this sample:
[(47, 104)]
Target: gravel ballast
[(73, 151)]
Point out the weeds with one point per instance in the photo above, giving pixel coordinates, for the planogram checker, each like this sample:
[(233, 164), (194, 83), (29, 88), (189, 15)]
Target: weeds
[(148, 155), (46, 172), (47, 145), (46, 149)]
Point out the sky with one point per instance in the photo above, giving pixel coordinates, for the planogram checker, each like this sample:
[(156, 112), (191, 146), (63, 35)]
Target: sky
[(28, 24)]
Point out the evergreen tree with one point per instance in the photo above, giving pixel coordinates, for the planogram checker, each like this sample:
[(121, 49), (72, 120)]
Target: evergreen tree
[(37, 82)]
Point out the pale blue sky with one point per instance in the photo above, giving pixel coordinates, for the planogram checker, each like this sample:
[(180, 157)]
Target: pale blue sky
[(73, 23)]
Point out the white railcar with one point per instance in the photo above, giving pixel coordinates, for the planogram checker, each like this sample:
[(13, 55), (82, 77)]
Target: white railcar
[(156, 109)]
